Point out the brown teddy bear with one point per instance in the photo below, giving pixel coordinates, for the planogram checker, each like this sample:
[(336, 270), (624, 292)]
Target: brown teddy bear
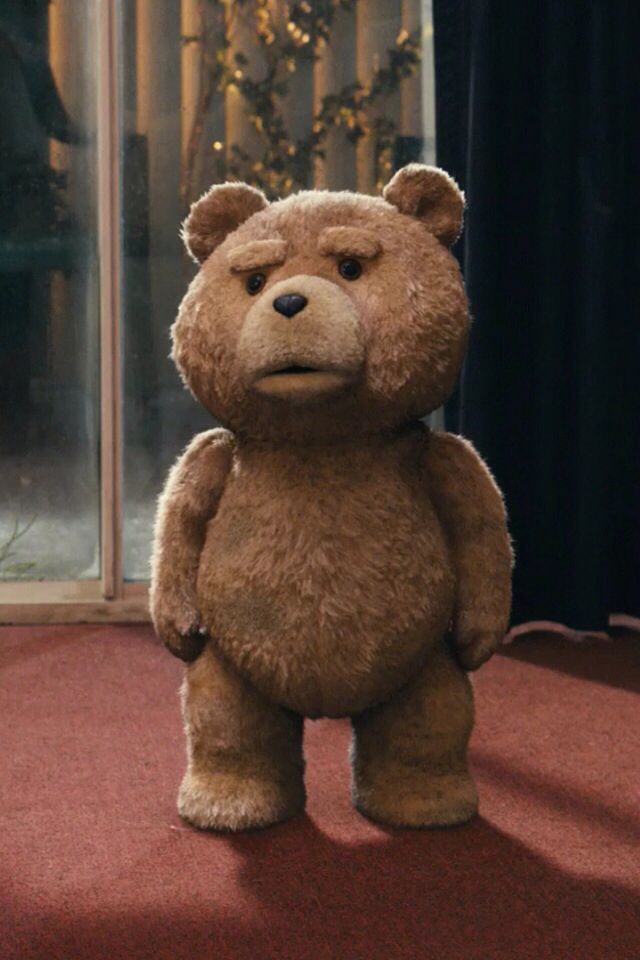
[(326, 554)]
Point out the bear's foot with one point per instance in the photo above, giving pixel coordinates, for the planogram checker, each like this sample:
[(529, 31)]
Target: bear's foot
[(416, 799), (230, 802)]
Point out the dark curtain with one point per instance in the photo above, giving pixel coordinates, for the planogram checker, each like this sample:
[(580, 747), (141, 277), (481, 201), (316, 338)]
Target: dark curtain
[(538, 115)]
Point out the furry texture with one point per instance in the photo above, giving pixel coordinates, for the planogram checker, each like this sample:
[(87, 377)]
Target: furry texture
[(189, 499), (327, 555), (219, 212), (409, 753), (409, 301), (245, 753), (432, 196)]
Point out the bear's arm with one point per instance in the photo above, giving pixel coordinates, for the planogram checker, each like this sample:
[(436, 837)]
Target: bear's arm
[(189, 499), (471, 510)]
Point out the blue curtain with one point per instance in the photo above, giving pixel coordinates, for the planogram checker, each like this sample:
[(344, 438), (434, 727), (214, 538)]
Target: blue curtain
[(538, 116)]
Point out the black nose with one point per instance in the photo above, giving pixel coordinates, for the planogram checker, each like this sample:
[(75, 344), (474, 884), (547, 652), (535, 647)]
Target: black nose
[(290, 303)]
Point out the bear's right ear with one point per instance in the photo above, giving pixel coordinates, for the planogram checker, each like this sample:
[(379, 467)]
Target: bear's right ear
[(218, 213), (432, 196)]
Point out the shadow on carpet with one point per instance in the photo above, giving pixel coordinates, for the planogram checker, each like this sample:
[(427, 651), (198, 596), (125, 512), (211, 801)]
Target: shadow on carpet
[(95, 862)]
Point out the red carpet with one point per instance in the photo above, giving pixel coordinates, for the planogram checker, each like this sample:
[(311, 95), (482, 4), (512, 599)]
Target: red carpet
[(96, 864)]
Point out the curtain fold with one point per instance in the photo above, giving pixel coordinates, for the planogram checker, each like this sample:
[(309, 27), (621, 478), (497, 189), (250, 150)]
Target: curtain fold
[(537, 109)]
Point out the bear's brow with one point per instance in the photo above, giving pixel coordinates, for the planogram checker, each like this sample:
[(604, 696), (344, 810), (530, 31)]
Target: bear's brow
[(257, 253), (353, 241)]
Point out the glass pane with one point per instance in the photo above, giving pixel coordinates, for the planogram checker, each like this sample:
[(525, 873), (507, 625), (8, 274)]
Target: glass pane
[(283, 95), (49, 504)]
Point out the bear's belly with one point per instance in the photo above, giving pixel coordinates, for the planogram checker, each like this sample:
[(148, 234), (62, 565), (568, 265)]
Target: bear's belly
[(326, 604)]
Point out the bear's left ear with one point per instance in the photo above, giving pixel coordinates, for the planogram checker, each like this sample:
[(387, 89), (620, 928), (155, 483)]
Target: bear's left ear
[(432, 196), (217, 214)]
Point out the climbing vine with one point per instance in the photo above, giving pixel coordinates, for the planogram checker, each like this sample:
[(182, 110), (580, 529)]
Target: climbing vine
[(283, 163)]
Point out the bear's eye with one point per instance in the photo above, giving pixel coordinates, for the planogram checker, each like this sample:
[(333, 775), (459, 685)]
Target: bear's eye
[(255, 282), (349, 268)]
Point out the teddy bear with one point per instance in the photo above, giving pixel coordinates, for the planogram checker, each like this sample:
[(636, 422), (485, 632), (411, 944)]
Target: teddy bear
[(324, 553)]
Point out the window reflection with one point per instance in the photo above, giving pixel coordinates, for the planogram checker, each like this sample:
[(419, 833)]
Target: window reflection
[(48, 291)]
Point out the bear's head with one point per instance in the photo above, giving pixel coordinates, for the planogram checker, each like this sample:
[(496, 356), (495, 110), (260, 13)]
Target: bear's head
[(325, 314)]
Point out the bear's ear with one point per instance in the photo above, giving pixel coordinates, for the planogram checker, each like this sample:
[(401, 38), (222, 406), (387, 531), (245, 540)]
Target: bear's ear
[(432, 196), (218, 213)]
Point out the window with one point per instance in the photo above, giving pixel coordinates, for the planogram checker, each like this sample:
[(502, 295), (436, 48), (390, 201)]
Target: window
[(49, 293), (119, 115)]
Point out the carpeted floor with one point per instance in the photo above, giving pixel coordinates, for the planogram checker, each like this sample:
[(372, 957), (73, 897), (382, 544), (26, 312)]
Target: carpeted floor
[(96, 864)]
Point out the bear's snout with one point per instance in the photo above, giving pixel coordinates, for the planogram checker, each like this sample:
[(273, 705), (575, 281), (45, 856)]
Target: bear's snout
[(320, 354)]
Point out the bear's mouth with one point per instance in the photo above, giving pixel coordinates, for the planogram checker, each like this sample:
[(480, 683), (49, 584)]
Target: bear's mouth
[(300, 381), (295, 369)]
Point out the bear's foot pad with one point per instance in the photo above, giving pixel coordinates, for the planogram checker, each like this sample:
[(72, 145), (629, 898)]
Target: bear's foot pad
[(443, 800), (228, 802)]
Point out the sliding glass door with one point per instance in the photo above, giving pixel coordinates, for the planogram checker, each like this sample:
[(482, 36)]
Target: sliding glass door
[(119, 114)]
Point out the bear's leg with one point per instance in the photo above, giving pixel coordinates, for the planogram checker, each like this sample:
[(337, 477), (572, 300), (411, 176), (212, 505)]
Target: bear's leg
[(245, 754), (409, 754)]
